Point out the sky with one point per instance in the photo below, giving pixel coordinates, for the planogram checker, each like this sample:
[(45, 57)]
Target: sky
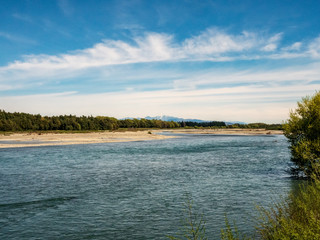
[(224, 60)]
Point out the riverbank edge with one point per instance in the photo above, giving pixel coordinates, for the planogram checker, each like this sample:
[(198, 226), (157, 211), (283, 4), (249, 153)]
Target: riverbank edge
[(36, 139)]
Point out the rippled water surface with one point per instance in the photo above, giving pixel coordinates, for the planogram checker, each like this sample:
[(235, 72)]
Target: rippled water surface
[(135, 190)]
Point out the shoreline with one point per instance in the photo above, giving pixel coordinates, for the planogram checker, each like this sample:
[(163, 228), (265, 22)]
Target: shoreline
[(19, 140), (227, 131)]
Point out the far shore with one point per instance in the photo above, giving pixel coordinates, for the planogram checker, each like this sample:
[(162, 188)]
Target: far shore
[(227, 131), (17, 140)]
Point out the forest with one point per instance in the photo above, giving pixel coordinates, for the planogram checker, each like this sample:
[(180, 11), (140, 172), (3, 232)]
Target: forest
[(257, 126), (202, 124), (25, 122), (35, 122)]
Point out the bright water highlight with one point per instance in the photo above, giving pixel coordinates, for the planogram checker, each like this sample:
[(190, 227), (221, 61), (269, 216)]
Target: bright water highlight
[(135, 190)]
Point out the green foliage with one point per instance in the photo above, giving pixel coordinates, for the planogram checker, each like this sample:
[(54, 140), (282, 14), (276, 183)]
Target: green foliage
[(29, 122), (202, 124), (298, 217), (194, 225), (257, 126), (303, 131), (231, 233)]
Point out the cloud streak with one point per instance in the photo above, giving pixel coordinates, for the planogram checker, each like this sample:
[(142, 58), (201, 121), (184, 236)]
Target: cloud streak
[(154, 75), (263, 104), (314, 48), (211, 45), (250, 96), (17, 39)]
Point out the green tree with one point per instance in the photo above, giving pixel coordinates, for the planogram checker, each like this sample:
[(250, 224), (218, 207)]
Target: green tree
[(303, 131)]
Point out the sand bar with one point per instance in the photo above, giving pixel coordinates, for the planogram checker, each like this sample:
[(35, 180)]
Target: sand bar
[(51, 139)]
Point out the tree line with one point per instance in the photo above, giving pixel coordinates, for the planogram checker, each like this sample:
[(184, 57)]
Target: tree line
[(36, 122), (202, 124), (257, 126)]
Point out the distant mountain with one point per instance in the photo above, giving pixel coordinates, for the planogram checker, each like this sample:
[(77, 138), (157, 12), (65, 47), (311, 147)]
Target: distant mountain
[(236, 122), (175, 119)]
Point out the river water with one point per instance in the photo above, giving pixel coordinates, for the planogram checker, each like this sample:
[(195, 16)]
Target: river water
[(136, 190)]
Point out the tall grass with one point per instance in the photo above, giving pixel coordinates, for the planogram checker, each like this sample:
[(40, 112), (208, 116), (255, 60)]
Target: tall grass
[(193, 224), (232, 232), (296, 217)]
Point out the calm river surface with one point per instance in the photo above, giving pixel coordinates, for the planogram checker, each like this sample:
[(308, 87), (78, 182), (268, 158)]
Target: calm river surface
[(136, 190)]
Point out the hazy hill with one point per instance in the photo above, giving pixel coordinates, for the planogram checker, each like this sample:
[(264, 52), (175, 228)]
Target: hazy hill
[(174, 119)]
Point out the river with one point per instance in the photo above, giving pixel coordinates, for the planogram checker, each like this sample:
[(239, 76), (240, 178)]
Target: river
[(136, 190)]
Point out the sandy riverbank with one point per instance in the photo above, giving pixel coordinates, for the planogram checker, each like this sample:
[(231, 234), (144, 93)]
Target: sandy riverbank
[(52, 139)]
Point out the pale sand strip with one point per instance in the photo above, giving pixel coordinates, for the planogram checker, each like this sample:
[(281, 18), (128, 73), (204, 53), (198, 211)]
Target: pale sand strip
[(52, 139)]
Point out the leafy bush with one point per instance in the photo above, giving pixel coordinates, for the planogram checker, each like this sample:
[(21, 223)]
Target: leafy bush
[(298, 217), (303, 131)]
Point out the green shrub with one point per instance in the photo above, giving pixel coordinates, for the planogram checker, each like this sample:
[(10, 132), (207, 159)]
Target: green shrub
[(303, 131), (298, 217)]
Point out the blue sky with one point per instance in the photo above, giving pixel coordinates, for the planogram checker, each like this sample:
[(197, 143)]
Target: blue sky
[(215, 60)]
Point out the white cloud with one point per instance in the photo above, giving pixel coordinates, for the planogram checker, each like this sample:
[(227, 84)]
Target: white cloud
[(214, 42), (272, 43), (276, 38), (237, 103), (294, 47), (296, 73), (154, 47), (225, 94), (211, 45), (151, 48), (265, 96), (314, 48), (270, 47)]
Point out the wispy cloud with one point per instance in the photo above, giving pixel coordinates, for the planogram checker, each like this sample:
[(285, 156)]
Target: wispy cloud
[(143, 86), (314, 48), (211, 45), (17, 38), (294, 47), (272, 43), (253, 95), (242, 103), (154, 47), (22, 17), (214, 42), (66, 8)]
